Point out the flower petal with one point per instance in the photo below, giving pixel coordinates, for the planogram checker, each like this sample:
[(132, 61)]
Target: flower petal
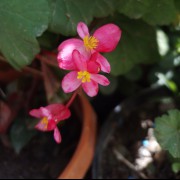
[(36, 113), (93, 67), (51, 125), (79, 60), (59, 112), (40, 113), (91, 88), (57, 135), (70, 82), (46, 125), (41, 127), (108, 37), (105, 66), (100, 79), (65, 53), (82, 30)]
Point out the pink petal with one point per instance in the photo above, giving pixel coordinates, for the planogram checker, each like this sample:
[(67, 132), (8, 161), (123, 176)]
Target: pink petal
[(70, 82), (46, 127), (59, 112), (108, 37), (93, 67), (40, 113), (91, 88), (51, 125), (82, 30), (46, 112), (57, 135), (105, 66), (65, 53), (41, 127), (36, 113), (100, 79), (79, 61)]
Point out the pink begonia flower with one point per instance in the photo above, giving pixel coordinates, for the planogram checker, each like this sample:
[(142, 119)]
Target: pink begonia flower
[(50, 116), (85, 73), (104, 39)]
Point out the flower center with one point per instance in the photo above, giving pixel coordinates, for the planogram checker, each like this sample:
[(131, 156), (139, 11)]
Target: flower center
[(90, 42), (44, 122), (84, 76)]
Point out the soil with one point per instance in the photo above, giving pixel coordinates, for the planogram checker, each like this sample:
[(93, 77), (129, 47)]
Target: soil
[(130, 135), (42, 158)]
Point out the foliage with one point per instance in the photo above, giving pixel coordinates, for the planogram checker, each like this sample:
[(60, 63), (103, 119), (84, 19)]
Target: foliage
[(21, 23), (176, 167), (168, 132), (21, 134), (32, 26)]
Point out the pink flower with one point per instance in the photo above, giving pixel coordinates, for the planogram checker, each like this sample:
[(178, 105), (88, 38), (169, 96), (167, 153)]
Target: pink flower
[(85, 73), (104, 39), (50, 116)]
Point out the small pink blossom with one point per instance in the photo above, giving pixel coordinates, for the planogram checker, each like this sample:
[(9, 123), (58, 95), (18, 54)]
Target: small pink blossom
[(50, 116), (104, 39), (84, 73)]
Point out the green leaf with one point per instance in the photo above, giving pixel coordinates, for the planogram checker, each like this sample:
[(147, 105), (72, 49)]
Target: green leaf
[(21, 23), (20, 134), (48, 40), (161, 12), (165, 79), (177, 4), (155, 12), (167, 132), (176, 167), (66, 14), (103, 8), (137, 45), (133, 8)]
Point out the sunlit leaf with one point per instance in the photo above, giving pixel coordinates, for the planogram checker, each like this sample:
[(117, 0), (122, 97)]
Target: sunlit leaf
[(168, 132)]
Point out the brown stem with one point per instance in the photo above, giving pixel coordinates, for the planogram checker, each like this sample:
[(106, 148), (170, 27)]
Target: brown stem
[(44, 59), (2, 58), (33, 71), (26, 69)]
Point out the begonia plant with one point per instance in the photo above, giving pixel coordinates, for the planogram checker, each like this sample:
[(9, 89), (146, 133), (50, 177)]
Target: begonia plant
[(84, 60)]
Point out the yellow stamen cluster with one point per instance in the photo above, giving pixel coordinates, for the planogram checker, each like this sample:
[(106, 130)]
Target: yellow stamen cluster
[(90, 42), (84, 76), (44, 122)]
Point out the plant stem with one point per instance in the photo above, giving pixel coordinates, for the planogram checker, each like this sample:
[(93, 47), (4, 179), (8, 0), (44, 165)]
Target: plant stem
[(45, 59), (72, 99), (2, 58), (33, 71), (121, 158), (49, 53)]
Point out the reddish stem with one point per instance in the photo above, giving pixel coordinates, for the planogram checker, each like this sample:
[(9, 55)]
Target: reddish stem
[(44, 59), (33, 71), (72, 99), (49, 53)]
